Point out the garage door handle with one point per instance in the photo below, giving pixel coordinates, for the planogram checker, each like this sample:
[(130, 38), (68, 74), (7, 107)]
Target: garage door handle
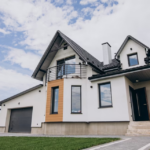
[(144, 104)]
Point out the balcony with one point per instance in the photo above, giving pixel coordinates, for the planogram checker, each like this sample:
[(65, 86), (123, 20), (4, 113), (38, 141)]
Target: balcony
[(68, 71)]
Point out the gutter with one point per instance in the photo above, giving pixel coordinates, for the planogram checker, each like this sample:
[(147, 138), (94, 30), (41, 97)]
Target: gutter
[(121, 73)]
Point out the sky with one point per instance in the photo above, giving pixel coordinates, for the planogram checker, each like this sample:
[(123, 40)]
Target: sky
[(27, 27)]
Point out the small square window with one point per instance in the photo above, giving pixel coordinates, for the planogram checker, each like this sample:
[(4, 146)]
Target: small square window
[(133, 59)]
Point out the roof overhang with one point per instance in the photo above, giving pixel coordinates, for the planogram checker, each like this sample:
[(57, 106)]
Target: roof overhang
[(141, 73), (20, 94)]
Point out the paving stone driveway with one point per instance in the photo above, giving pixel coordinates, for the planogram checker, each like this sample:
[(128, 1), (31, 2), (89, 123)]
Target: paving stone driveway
[(134, 143)]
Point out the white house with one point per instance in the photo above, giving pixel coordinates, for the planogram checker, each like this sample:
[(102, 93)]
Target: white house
[(81, 95)]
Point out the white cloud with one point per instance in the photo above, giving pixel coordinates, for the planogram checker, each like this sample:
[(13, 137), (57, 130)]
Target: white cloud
[(12, 80), (4, 31), (39, 21), (85, 2), (69, 2), (87, 10), (24, 59)]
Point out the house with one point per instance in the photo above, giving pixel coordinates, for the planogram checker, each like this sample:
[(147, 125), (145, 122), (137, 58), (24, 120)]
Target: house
[(82, 95)]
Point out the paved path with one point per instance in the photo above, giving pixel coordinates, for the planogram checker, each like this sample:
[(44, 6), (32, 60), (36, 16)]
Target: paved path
[(127, 143)]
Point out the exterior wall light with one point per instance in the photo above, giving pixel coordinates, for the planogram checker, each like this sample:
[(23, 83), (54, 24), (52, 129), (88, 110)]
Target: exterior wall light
[(137, 80)]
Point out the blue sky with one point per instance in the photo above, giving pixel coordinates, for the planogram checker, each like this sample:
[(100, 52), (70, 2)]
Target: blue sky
[(27, 27)]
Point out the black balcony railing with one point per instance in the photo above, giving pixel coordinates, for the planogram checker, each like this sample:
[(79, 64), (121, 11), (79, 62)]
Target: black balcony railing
[(72, 71)]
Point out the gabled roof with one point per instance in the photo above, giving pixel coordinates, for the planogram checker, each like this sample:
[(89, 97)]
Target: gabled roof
[(22, 93), (125, 42), (52, 50)]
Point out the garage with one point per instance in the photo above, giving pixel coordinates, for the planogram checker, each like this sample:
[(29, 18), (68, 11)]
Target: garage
[(20, 120)]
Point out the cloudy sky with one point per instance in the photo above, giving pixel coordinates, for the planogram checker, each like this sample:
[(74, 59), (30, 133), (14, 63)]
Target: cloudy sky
[(27, 27)]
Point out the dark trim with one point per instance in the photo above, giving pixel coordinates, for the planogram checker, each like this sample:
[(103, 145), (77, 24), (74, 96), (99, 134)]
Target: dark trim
[(20, 94), (129, 60), (42, 70), (119, 72), (80, 99), (100, 106), (98, 70), (53, 97), (75, 113), (45, 55), (106, 43), (125, 42)]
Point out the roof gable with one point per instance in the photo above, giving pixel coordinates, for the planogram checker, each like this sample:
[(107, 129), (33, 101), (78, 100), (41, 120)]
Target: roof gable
[(129, 37), (54, 47)]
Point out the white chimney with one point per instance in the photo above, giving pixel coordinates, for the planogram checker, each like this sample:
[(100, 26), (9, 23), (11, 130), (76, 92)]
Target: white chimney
[(107, 59)]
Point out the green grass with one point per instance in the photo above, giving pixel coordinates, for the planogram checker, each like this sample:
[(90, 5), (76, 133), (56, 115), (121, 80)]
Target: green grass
[(50, 143)]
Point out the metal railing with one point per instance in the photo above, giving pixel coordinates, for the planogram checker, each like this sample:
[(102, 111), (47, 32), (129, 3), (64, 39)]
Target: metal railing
[(72, 71)]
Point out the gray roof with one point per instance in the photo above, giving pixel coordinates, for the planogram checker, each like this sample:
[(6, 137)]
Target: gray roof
[(125, 42), (52, 50), (22, 93), (115, 63)]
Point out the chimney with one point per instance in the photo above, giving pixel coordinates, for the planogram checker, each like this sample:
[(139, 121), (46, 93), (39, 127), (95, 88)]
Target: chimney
[(107, 59)]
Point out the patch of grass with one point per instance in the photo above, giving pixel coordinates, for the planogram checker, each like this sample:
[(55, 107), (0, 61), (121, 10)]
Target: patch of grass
[(50, 143)]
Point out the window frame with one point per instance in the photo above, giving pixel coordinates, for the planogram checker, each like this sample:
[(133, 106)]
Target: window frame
[(108, 106), (52, 99), (80, 99), (129, 59)]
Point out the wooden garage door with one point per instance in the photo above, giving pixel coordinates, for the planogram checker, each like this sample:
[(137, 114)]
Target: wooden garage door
[(20, 120)]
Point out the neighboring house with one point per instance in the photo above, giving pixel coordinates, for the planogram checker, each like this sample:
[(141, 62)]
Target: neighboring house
[(81, 95)]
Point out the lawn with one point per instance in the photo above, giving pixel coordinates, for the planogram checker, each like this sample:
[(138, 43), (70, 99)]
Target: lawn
[(50, 143)]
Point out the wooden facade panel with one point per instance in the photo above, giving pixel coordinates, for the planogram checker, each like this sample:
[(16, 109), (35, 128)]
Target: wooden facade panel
[(54, 117)]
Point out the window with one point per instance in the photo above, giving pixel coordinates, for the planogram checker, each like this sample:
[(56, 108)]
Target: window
[(66, 66), (133, 59), (76, 99), (105, 99), (55, 93)]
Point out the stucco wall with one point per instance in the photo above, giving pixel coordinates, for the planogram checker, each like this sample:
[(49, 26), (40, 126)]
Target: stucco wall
[(61, 54), (35, 99), (90, 101), (136, 48), (119, 111)]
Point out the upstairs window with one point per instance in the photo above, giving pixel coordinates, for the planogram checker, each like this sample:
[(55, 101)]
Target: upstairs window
[(133, 59), (66, 66), (55, 93), (76, 99), (105, 99)]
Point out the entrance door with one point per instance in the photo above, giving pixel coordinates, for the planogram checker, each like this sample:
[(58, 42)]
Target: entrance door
[(20, 120), (139, 104)]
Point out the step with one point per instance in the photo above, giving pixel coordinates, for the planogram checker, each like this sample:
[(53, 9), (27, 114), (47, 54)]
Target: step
[(140, 123), (138, 132), (138, 127)]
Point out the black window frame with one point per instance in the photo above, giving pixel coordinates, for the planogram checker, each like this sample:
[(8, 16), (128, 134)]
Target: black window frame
[(80, 99), (129, 59), (53, 97), (108, 106)]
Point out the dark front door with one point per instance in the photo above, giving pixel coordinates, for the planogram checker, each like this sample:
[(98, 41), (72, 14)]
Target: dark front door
[(139, 104), (20, 120)]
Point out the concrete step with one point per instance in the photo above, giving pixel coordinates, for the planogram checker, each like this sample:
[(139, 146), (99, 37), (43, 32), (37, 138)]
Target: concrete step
[(138, 132), (138, 127)]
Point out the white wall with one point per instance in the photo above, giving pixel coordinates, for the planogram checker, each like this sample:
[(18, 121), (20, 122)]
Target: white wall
[(136, 48), (90, 101), (119, 111), (35, 99), (67, 116), (61, 54)]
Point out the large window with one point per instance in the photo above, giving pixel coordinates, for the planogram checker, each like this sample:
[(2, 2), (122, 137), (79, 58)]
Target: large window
[(55, 93), (76, 99), (66, 66), (105, 99), (133, 59)]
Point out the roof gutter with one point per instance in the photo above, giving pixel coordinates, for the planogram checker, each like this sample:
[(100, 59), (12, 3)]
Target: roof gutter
[(117, 74)]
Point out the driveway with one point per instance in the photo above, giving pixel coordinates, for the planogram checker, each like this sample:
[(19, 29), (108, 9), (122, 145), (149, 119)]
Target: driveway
[(126, 142)]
